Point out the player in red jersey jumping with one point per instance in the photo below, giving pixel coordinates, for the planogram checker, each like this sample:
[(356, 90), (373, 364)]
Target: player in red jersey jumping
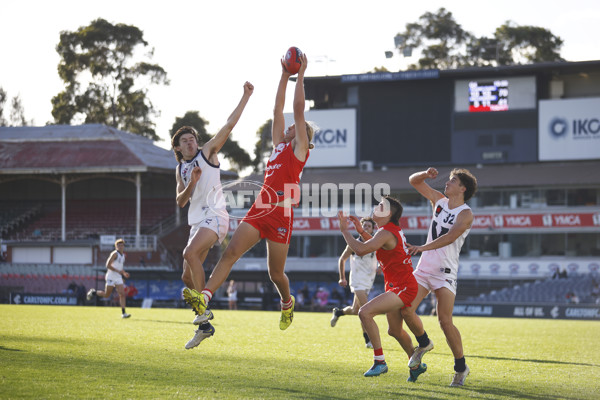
[(271, 216)]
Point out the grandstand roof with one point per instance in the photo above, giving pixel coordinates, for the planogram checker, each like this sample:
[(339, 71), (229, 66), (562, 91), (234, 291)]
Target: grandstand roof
[(79, 149), (92, 148)]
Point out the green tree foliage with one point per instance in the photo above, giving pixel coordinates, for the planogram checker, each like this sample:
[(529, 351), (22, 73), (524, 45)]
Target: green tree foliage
[(444, 44), (3, 97), (439, 37), (17, 112), (263, 146), (238, 157), (104, 81)]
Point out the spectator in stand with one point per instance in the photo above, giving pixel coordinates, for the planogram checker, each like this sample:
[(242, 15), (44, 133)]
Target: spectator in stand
[(142, 262), (320, 299), (337, 297), (131, 291)]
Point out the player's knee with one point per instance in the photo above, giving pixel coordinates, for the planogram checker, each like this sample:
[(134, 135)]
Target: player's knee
[(445, 323), (231, 254), (363, 314)]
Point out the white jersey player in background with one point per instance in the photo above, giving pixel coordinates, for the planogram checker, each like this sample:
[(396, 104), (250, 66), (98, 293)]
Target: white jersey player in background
[(199, 182), (438, 266), (114, 277), (362, 275)]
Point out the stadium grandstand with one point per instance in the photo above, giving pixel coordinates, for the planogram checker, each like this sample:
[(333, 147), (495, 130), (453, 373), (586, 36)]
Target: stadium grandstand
[(66, 193), (530, 133)]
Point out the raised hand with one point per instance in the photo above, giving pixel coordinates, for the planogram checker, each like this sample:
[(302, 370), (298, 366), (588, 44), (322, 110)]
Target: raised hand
[(343, 221)]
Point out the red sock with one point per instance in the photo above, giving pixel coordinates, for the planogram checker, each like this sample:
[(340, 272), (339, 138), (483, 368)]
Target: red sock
[(378, 354), (207, 295), (287, 305)]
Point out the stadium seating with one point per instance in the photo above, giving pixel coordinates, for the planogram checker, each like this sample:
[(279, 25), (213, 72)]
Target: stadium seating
[(90, 218), (545, 291)]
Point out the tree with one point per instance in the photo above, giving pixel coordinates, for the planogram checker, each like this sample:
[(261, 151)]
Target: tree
[(263, 146), (17, 112), (103, 81), (531, 44), (441, 40), (238, 158), (3, 97), (445, 44)]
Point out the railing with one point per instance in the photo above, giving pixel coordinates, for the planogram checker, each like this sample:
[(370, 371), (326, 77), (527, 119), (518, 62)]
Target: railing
[(132, 242)]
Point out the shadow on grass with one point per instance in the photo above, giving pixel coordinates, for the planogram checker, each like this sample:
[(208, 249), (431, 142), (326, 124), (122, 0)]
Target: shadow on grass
[(7, 349), (532, 360), (161, 374)]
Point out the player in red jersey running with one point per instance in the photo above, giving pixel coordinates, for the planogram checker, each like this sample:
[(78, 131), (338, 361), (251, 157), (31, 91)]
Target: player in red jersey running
[(400, 284), (271, 215)]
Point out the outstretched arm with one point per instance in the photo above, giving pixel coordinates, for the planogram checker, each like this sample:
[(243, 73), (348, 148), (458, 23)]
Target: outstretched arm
[(299, 121), (278, 127), (215, 144), (417, 180)]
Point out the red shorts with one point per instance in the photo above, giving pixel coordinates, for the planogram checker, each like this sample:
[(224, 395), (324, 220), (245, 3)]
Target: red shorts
[(405, 286), (273, 222)]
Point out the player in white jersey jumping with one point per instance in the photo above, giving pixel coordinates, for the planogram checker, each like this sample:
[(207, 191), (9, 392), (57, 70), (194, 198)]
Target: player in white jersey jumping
[(438, 266), (114, 277), (199, 183), (362, 275)]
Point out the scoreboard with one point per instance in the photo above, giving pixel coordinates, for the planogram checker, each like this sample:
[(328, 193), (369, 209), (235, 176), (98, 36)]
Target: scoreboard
[(488, 96)]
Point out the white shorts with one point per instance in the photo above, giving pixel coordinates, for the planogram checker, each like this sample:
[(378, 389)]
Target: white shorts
[(360, 281), (434, 282), (114, 280), (217, 224)]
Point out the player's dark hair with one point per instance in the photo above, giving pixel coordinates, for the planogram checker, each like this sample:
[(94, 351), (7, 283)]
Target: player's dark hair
[(395, 209), (175, 139), (369, 219), (467, 179)]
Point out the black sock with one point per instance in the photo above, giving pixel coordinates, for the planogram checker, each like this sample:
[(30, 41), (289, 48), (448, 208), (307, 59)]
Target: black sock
[(460, 364), (377, 362), (123, 310), (367, 340), (423, 340), (204, 326), (339, 313)]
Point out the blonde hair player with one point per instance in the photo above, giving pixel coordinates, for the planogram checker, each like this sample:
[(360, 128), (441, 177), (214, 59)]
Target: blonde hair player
[(271, 215), (114, 277)]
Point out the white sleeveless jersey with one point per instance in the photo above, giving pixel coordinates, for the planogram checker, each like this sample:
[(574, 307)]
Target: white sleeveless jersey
[(362, 271), (443, 261), (207, 198), (118, 265)]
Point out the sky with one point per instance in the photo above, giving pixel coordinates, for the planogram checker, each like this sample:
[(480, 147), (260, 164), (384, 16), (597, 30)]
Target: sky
[(210, 48)]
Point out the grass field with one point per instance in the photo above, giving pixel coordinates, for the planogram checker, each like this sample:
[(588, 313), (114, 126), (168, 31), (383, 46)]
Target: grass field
[(85, 352)]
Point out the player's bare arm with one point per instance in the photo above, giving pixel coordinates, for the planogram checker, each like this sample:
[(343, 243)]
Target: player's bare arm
[(299, 105), (342, 265), (278, 127), (363, 234), (184, 193), (382, 239), (216, 143), (418, 181), (463, 222)]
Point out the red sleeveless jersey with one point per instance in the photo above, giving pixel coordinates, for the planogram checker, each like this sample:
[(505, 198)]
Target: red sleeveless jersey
[(395, 263), (282, 175)]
